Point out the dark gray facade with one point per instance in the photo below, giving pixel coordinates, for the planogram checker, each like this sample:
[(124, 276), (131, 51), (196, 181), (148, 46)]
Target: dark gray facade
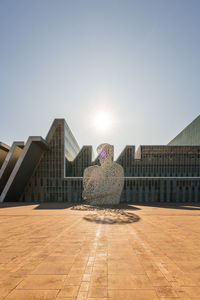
[(52, 169)]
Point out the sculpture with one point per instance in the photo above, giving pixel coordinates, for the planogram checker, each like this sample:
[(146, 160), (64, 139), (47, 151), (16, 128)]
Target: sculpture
[(103, 184)]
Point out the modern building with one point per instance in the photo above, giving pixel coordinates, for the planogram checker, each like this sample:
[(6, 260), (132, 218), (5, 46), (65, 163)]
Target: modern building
[(51, 169), (189, 135)]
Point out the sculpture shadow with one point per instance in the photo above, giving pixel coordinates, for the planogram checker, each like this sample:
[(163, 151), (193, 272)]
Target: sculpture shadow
[(112, 218), (108, 214), (88, 207)]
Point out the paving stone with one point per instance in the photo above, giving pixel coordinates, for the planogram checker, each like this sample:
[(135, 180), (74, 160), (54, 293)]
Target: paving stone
[(69, 291), (132, 295), (99, 292), (32, 295), (38, 282), (52, 268), (59, 254)]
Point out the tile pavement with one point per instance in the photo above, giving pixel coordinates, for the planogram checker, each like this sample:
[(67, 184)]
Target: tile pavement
[(52, 251)]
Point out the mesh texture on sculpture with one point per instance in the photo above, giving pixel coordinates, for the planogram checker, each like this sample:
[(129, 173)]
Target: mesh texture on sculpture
[(103, 184)]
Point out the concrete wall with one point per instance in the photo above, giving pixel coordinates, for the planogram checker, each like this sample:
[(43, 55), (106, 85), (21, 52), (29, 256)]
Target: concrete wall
[(188, 136)]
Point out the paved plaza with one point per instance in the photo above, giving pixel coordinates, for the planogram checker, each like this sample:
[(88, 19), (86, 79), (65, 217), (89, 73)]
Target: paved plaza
[(139, 252)]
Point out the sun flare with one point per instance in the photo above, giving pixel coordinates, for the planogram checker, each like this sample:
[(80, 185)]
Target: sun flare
[(102, 121)]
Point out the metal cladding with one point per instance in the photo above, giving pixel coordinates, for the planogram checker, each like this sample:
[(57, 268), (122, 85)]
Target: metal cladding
[(52, 169)]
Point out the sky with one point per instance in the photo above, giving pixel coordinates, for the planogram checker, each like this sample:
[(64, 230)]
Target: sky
[(136, 63)]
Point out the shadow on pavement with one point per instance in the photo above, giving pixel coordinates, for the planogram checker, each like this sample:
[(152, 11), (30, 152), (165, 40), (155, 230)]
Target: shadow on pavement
[(112, 218), (109, 214), (84, 206), (16, 204), (88, 207), (54, 205), (178, 205)]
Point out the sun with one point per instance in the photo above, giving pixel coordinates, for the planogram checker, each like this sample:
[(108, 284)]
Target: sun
[(102, 121)]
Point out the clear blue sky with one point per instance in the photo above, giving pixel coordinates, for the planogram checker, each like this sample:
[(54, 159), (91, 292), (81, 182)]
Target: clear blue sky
[(137, 60)]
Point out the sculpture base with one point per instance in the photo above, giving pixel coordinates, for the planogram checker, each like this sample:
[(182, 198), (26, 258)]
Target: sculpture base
[(114, 200)]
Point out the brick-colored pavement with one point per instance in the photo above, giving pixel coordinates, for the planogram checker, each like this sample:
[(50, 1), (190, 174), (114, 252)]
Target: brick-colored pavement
[(51, 251)]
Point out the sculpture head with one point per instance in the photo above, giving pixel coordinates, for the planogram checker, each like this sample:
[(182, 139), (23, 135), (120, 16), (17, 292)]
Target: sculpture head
[(105, 152)]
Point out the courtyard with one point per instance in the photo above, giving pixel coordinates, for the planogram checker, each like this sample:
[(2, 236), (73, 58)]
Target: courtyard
[(68, 252)]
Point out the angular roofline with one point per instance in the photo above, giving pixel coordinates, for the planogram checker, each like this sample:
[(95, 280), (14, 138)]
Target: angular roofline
[(32, 139), (198, 117)]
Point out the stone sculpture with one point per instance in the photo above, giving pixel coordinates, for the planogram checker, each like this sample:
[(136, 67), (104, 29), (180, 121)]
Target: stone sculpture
[(103, 184)]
